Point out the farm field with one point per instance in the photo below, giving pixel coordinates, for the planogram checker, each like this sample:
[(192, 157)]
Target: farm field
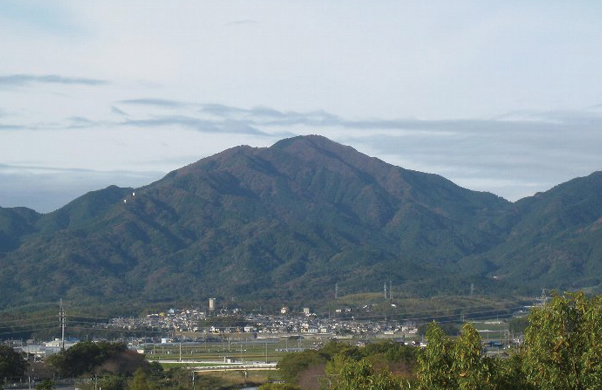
[(227, 351)]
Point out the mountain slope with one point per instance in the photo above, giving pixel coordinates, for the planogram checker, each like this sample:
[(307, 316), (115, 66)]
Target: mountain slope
[(557, 239), (14, 224)]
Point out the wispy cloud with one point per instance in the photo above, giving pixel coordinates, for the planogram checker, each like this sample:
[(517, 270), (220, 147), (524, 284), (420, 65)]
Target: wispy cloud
[(509, 158), (206, 126), (13, 127), (19, 80), (219, 118), (78, 122), (117, 111), (541, 124), (547, 127), (9, 168), (271, 117), (166, 103)]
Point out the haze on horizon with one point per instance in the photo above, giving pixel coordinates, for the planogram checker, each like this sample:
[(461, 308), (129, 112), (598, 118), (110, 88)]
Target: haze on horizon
[(499, 96)]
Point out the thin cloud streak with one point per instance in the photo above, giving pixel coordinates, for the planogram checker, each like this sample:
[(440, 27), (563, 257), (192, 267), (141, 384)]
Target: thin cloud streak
[(117, 111), (155, 102), (20, 80), (12, 127), (205, 126), (11, 168)]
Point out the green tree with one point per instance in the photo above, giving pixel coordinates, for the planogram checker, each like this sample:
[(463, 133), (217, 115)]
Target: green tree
[(392, 351), (112, 382), (348, 374), (510, 372), (140, 381), (434, 371), (564, 344), (85, 357), (333, 348), (292, 364), (518, 325), (46, 384), (12, 364), (449, 328), (448, 365), (472, 369)]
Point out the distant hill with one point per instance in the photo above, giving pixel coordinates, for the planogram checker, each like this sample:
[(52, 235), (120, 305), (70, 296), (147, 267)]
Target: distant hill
[(288, 222)]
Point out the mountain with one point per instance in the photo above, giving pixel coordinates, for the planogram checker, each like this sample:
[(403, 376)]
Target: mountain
[(288, 222)]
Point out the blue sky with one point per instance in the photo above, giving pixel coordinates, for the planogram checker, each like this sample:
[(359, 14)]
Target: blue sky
[(499, 96)]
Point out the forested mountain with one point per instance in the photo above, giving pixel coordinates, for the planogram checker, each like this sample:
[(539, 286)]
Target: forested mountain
[(288, 222)]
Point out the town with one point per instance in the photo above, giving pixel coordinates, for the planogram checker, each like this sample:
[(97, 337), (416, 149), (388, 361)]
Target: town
[(191, 334)]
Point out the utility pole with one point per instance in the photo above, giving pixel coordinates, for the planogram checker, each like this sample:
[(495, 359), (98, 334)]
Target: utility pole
[(386, 291), (336, 291), (471, 289), (390, 290), (544, 297), (63, 323)]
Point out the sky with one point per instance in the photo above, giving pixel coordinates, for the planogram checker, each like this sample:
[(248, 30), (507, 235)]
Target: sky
[(500, 96)]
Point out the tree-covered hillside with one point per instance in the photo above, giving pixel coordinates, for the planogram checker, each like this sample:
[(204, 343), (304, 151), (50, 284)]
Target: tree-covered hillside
[(289, 222)]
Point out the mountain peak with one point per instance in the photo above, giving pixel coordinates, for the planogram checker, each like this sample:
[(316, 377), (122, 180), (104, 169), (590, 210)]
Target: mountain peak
[(314, 149), (312, 141)]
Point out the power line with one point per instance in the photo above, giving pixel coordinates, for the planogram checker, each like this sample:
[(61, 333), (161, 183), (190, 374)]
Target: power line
[(500, 305), (29, 330), (404, 316), (4, 322), (32, 324)]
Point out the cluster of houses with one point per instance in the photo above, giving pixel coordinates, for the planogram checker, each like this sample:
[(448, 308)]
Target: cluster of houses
[(172, 320), (176, 322), (42, 350)]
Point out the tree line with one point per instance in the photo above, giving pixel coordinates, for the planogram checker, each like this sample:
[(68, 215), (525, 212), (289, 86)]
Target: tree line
[(562, 350)]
